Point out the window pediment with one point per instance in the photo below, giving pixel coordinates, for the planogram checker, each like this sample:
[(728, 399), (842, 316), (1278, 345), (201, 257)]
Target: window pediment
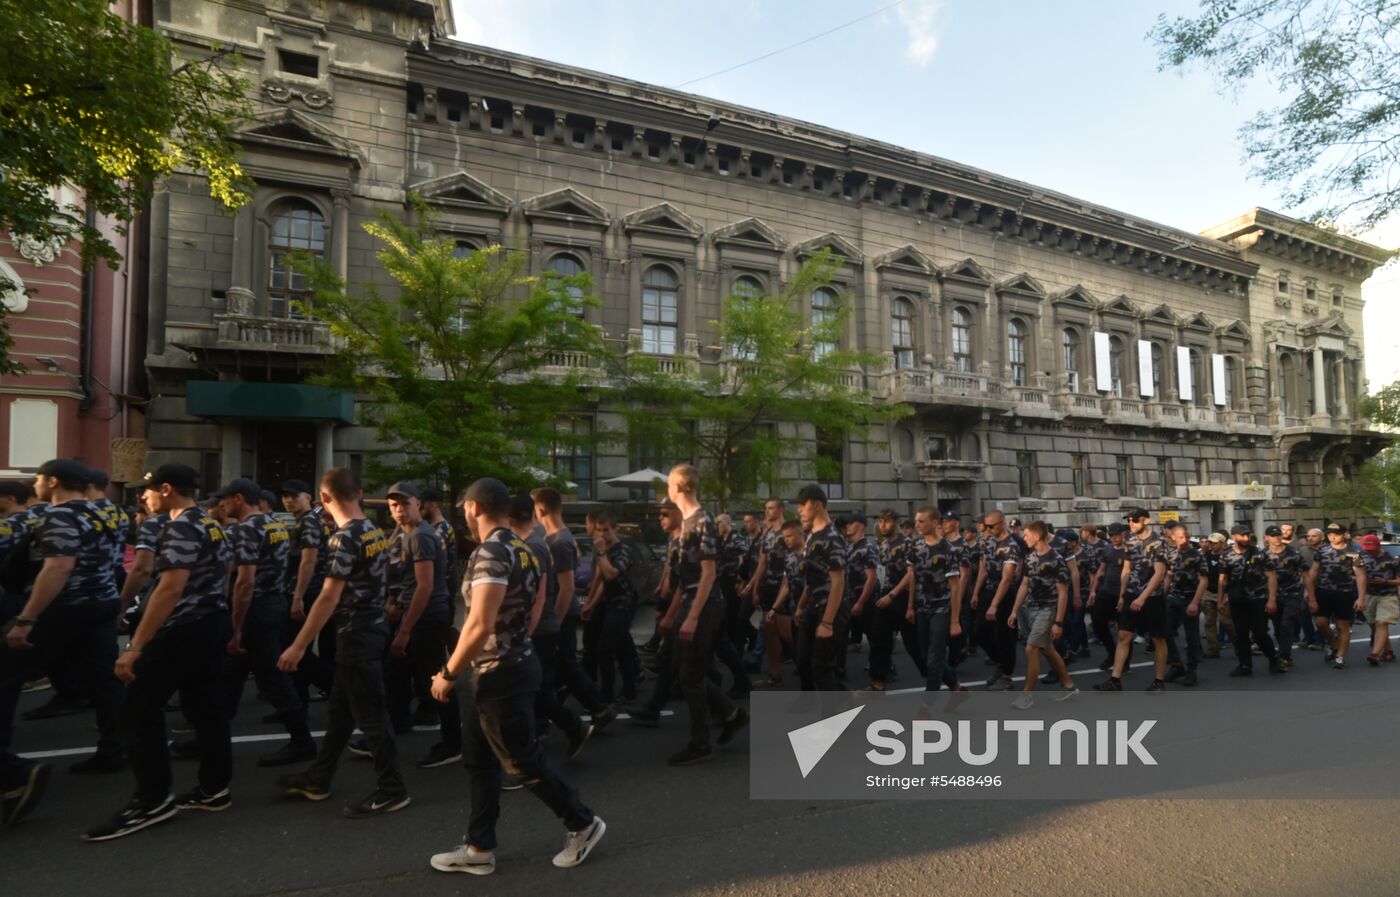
[(1075, 297), (462, 190), (663, 219), (836, 244), (289, 128), (1023, 284), (907, 258), (750, 233), (568, 205), (968, 271)]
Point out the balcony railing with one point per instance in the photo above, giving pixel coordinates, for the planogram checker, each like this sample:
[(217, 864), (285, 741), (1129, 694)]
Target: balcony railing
[(951, 471), (273, 334)]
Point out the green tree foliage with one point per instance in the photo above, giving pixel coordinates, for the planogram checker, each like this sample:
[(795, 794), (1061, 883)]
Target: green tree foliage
[(1355, 499), (103, 107), (1333, 142), (459, 368), (747, 420), (1383, 407)]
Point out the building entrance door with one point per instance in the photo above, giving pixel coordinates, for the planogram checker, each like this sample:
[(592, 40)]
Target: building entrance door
[(285, 450)]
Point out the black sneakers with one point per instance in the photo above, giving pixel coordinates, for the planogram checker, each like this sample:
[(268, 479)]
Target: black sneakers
[(1109, 684), (604, 717), (289, 753), (300, 784), (579, 739), (196, 799), (1241, 670), (690, 756), (135, 817), (1157, 686), (100, 763), (440, 755), (18, 801), (644, 717), (377, 804), (359, 747), (731, 726)]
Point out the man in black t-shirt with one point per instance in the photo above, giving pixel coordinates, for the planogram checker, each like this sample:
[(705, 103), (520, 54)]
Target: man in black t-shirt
[(888, 614), (352, 600), (1039, 610), (821, 615), (311, 528), (763, 586), (1142, 608), (499, 588), (1105, 588), (178, 646), (612, 565), (262, 546), (420, 611)]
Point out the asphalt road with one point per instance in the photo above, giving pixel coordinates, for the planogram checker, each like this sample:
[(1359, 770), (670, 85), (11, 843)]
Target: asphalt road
[(695, 831)]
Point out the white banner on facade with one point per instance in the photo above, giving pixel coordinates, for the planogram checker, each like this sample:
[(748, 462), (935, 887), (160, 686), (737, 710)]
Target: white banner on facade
[(1222, 388), (1184, 386), (1144, 368), (1103, 362)]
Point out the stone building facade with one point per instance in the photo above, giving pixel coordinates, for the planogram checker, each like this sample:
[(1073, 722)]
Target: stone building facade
[(1063, 360)]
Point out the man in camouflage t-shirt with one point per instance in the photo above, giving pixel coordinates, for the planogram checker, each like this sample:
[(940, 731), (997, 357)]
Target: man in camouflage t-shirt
[(178, 646)]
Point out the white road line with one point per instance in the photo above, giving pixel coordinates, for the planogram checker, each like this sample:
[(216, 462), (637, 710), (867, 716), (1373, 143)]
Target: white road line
[(250, 739)]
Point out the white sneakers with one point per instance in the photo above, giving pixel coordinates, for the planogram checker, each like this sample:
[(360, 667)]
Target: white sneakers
[(465, 859), (577, 846), (1023, 701)]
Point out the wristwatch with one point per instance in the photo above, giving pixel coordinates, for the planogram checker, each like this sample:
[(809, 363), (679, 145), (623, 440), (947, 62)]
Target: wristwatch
[(1060, 623), (447, 674), (23, 621)]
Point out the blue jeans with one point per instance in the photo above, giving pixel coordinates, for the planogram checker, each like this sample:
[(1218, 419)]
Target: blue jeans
[(1177, 617), (934, 629)]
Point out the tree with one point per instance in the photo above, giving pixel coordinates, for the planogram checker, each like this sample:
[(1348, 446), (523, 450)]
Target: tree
[(1383, 407), (1354, 499), (784, 380), (103, 108), (460, 367), (1333, 143)]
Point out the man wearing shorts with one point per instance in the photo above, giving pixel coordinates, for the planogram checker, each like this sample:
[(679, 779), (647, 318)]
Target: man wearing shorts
[(1141, 606)]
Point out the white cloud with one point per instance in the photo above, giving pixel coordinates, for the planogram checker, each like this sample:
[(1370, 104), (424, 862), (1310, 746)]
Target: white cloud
[(917, 17)]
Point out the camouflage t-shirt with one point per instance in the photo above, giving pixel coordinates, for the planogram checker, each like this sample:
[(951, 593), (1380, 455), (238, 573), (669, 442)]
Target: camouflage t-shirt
[(358, 553), (1337, 568), (699, 542), (935, 568), (504, 559), (895, 553), (312, 530), (1185, 567), (148, 533), (408, 549), (731, 554), (448, 537), (70, 530), (1289, 569), (825, 552), (997, 554), (1248, 573), (1045, 572), (115, 525), (537, 545), (264, 542), (775, 549), (1380, 568), (193, 541), (861, 558), (10, 534), (618, 593), (563, 556), (1142, 555), (1089, 558)]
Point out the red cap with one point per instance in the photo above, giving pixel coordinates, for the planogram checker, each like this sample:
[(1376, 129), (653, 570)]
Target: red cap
[(1370, 542)]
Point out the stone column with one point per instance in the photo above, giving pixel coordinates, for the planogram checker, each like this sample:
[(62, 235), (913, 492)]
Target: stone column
[(1257, 513), (230, 453), (1319, 383), (1229, 515), (325, 448), (340, 233), (241, 275), (1343, 411)]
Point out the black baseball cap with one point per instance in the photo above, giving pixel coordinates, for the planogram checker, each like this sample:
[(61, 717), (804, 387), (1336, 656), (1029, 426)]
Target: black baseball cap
[(66, 471), (243, 486), (1335, 527), (295, 487), (181, 476), (1014, 521), (486, 489), (432, 494), (1272, 531), (1068, 534), (951, 515), (811, 493), (1136, 514), (269, 496), (20, 492), (667, 505), (1241, 529), (404, 490), (1117, 529)]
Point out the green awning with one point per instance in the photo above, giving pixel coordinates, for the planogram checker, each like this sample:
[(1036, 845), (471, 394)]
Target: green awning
[(268, 401)]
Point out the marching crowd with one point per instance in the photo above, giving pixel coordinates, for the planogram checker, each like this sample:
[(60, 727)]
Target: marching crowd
[(301, 591)]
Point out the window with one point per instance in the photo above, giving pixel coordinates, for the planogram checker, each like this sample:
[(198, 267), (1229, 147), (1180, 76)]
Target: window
[(1198, 377), (831, 464), (1231, 366), (1115, 364), (962, 341), (1069, 356), (659, 299), (1202, 472), (1026, 474), (463, 250), (643, 450), (902, 332), (302, 64), (1282, 284), (1079, 470), (823, 314), (905, 441), (1337, 298), (567, 266), (296, 228), (571, 457), (1124, 467), (1237, 470), (1310, 292), (1016, 351), (1157, 367), (746, 289), (1164, 476)]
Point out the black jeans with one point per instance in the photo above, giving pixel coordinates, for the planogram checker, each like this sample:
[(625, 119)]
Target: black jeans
[(569, 672), (885, 623), (1250, 619), (817, 657), (665, 674), (690, 664), (85, 636), (1179, 619), (615, 649), (994, 636), (1286, 621), (935, 630), (357, 700), (262, 646), (429, 645), (547, 705), (1103, 612), (317, 665), (500, 733), (188, 658), (592, 634)]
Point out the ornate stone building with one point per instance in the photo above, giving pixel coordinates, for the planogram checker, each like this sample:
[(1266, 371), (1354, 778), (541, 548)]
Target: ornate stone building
[(1063, 359)]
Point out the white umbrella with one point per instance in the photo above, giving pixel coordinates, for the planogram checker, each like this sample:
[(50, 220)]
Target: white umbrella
[(543, 475), (644, 477)]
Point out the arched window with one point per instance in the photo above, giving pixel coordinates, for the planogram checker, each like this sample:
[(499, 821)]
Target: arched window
[(1231, 369), (1115, 364), (296, 227), (567, 265), (823, 314), (902, 332), (1069, 356), (1286, 397), (463, 249), (962, 341), (1016, 351), (1198, 377), (660, 294), (1158, 371), (746, 289)]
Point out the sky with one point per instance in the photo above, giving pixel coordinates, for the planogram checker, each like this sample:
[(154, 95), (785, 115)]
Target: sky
[(1065, 94)]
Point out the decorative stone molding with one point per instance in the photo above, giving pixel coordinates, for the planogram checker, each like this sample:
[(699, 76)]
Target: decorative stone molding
[(315, 97), (39, 252), (1310, 308)]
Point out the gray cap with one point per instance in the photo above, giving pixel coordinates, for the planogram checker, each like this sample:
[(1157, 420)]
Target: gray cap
[(403, 490)]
